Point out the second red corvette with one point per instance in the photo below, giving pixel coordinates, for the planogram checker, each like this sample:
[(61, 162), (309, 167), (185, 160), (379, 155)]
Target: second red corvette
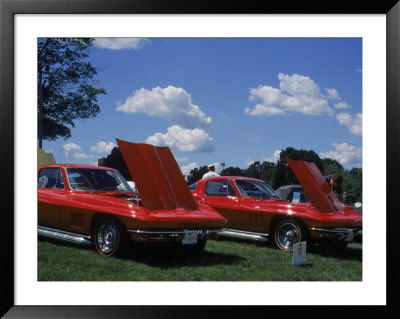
[(255, 211)]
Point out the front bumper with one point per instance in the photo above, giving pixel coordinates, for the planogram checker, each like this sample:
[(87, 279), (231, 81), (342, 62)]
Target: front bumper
[(140, 235), (339, 234)]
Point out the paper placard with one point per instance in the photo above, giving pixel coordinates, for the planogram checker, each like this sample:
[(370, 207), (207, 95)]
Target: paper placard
[(299, 253)]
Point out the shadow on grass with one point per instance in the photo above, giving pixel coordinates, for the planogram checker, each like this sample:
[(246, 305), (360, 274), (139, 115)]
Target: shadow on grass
[(161, 255), (243, 240), (170, 256), (348, 253)]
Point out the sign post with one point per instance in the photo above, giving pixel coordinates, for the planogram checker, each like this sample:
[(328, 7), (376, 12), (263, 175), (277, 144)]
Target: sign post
[(299, 253)]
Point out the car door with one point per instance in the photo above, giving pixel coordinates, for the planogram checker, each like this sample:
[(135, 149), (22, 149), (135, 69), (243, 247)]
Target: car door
[(220, 195), (51, 194), (257, 218), (252, 207)]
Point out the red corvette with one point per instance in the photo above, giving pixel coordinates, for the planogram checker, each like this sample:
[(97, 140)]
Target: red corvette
[(254, 211), (95, 205)]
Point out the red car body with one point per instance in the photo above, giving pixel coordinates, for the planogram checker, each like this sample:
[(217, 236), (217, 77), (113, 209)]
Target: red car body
[(272, 219), (164, 210)]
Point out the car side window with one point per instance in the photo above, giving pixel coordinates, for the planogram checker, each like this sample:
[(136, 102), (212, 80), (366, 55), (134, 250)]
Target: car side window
[(192, 187), (51, 178), (298, 197), (219, 188)]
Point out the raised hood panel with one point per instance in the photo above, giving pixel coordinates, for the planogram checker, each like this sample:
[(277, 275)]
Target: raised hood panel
[(318, 190), (157, 176)]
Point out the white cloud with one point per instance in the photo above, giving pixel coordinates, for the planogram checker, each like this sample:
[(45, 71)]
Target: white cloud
[(121, 43), (71, 148), (187, 168), (296, 94), (171, 103), (103, 147), (181, 159), (74, 150), (342, 105), (182, 139), (333, 94), (249, 162), (354, 123), (347, 155), (81, 155), (275, 157), (298, 85)]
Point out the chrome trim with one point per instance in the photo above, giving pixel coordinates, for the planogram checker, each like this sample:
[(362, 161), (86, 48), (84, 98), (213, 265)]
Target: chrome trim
[(151, 232), (228, 232), (171, 234), (334, 231), (212, 231), (64, 235)]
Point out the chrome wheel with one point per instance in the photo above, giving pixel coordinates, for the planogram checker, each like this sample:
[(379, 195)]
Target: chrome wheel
[(107, 237), (287, 233)]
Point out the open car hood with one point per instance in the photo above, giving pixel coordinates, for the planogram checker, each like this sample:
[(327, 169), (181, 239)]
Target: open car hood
[(317, 189), (157, 176)]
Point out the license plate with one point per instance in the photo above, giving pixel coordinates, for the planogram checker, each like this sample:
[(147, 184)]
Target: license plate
[(349, 238), (190, 238)]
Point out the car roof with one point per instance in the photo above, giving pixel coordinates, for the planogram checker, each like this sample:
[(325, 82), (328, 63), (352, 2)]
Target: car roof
[(233, 177), (285, 190), (77, 166)]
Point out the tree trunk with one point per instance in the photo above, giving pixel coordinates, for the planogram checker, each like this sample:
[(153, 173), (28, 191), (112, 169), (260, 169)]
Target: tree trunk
[(40, 107)]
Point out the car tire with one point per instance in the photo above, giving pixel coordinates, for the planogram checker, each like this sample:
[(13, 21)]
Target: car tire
[(107, 237), (199, 247), (287, 233)]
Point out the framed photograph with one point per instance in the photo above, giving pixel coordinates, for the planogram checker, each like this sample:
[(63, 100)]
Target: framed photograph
[(374, 27)]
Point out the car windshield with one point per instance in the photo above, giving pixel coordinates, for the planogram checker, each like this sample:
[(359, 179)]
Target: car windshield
[(259, 189), (90, 179)]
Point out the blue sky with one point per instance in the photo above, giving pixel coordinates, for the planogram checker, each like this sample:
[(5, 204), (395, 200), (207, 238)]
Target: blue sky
[(233, 100)]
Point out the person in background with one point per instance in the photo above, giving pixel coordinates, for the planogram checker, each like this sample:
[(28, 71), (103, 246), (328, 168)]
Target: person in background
[(211, 171), (335, 182)]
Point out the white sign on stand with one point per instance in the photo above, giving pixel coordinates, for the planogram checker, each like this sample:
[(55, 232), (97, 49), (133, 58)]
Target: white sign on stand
[(299, 253)]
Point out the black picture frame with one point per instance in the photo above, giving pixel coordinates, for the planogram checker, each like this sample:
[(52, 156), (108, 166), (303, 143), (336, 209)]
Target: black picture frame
[(8, 10)]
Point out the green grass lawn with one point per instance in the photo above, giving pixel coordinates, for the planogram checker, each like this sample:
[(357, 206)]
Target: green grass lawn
[(221, 260)]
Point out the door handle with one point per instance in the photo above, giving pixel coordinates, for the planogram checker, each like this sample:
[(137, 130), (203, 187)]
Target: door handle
[(202, 201)]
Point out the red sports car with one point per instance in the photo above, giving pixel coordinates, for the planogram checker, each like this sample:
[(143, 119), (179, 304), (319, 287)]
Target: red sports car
[(255, 211), (95, 205)]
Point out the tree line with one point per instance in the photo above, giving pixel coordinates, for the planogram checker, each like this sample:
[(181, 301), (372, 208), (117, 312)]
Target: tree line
[(275, 174)]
